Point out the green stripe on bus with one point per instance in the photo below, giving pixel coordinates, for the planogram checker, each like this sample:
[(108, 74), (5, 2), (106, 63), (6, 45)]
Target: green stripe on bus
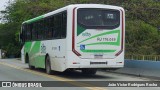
[(98, 51), (36, 48), (104, 43), (40, 61), (27, 46), (111, 32), (107, 43), (80, 30), (35, 19)]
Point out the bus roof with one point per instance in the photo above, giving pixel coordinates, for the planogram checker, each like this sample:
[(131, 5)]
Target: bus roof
[(72, 5)]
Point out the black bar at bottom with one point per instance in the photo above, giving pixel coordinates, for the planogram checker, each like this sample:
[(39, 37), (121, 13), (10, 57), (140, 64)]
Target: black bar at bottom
[(80, 84)]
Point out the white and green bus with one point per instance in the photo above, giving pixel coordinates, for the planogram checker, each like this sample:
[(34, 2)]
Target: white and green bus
[(83, 37)]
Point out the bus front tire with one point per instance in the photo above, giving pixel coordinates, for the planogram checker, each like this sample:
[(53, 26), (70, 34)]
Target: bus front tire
[(48, 66), (89, 71)]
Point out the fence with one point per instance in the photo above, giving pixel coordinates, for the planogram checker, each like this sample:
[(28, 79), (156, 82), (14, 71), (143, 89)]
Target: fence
[(143, 57)]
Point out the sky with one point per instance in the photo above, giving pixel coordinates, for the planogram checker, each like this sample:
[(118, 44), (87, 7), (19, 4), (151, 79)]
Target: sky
[(3, 3)]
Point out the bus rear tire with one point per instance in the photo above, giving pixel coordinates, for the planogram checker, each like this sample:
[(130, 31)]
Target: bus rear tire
[(29, 65), (89, 71), (48, 66)]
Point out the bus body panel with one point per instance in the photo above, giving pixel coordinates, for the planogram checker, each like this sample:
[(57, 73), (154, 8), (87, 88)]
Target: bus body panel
[(78, 63), (88, 61), (58, 55), (56, 49)]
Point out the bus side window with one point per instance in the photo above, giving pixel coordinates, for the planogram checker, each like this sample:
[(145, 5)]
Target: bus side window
[(30, 26), (56, 23), (64, 24), (43, 29), (39, 30), (51, 27), (59, 25), (34, 32), (23, 34), (27, 32)]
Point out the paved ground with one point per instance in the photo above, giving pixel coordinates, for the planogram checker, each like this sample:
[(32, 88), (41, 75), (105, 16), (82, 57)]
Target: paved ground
[(14, 70)]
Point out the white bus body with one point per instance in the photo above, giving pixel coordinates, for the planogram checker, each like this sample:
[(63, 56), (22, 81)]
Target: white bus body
[(87, 45)]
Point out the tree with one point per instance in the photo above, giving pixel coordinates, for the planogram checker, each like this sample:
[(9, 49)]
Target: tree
[(142, 21)]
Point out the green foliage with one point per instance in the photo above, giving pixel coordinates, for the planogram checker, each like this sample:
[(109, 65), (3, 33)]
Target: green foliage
[(140, 37), (12, 50), (146, 10), (142, 20)]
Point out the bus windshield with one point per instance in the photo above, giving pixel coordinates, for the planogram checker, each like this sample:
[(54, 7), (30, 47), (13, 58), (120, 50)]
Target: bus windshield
[(98, 18)]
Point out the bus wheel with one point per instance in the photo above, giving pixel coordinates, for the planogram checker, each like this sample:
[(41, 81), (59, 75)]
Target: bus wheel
[(48, 66), (89, 71), (29, 65)]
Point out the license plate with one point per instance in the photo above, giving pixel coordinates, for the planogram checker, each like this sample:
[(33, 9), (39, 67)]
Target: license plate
[(98, 56)]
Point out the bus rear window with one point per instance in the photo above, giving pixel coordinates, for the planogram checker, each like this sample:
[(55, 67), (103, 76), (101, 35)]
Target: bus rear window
[(98, 18)]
